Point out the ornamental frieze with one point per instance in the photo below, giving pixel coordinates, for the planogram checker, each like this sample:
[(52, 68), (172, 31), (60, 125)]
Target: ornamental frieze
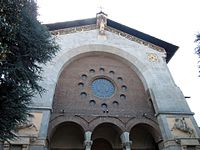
[(109, 29)]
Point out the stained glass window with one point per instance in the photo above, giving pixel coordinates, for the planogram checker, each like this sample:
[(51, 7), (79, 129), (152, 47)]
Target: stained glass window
[(103, 88)]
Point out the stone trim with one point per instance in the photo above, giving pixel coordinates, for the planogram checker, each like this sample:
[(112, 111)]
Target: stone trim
[(74, 29), (134, 115), (173, 113), (109, 29), (135, 39)]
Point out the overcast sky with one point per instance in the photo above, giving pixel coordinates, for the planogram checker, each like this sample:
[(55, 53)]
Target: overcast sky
[(174, 21)]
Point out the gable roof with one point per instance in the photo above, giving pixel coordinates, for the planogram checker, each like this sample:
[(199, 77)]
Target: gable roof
[(169, 48)]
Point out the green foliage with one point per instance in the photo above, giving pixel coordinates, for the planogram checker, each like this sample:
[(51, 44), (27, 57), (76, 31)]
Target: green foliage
[(24, 44)]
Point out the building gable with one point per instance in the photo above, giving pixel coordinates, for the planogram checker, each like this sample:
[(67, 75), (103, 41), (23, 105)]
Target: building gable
[(117, 28)]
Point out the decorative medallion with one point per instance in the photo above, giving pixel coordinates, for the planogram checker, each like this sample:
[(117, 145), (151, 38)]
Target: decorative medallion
[(152, 57), (102, 88)]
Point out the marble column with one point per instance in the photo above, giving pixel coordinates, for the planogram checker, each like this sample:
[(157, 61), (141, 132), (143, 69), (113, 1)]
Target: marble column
[(126, 143), (88, 141)]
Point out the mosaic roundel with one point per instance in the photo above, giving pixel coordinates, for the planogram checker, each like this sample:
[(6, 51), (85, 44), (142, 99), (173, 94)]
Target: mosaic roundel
[(103, 88)]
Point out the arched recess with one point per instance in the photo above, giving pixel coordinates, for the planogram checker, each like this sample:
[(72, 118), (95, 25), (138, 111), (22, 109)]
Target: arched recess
[(55, 122), (95, 49), (67, 100), (67, 136), (108, 133), (145, 137), (74, 89), (65, 57)]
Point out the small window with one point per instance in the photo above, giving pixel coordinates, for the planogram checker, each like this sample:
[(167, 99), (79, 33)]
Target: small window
[(80, 84), (92, 71), (92, 102), (84, 77), (115, 104), (101, 70), (124, 88), (83, 94), (104, 106), (111, 72), (120, 79), (122, 97)]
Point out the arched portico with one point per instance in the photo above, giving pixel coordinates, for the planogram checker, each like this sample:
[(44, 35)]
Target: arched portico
[(107, 134), (145, 137), (67, 136)]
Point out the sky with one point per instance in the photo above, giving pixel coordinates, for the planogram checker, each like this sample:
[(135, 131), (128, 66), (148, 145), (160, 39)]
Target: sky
[(174, 21)]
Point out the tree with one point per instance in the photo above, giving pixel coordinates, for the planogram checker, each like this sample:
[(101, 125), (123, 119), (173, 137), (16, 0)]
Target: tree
[(197, 50), (24, 44)]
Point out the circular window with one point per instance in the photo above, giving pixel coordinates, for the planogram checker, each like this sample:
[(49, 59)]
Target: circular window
[(103, 88)]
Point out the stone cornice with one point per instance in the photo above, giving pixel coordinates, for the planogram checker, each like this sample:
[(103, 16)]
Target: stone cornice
[(109, 29), (74, 29), (135, 39)]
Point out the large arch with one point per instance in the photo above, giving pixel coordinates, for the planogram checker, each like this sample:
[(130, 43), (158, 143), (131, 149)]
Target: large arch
[(88, 50), (58, 120), (144, 137), (65, 57), (130, 94), (106, 133), (74, 100), (67, 136)]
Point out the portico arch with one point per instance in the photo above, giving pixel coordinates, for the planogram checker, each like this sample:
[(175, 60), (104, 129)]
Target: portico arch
[(106, 133), (116, 122), (67, 136), (144, 137)]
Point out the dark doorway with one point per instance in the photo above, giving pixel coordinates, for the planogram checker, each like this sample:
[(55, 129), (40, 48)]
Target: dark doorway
[(142, 137), (101, 144)]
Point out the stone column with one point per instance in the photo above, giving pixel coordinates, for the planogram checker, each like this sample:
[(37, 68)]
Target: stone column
[(126, 143), (88, 141)]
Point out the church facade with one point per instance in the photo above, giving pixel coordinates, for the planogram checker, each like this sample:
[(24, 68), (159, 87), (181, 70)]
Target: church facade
[(109, 88)]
